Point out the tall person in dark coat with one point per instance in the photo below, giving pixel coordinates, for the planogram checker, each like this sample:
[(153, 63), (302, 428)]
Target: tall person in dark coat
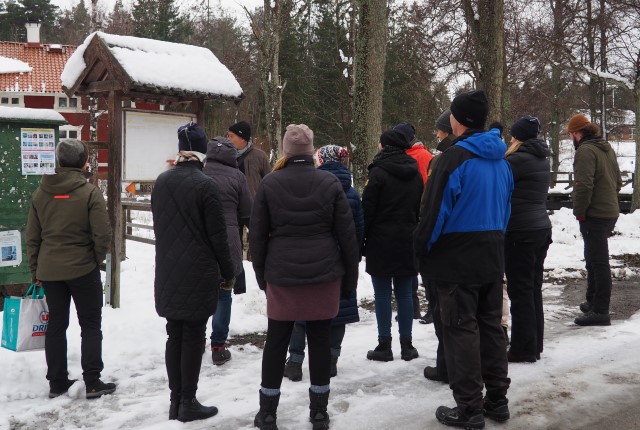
[(391, 203), (305, 255), (334, 159), (221, 166), (460, 245), (528, 238), (192, 256)]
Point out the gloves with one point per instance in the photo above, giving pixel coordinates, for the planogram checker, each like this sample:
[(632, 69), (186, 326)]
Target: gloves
[(228, 284), (581, 218)]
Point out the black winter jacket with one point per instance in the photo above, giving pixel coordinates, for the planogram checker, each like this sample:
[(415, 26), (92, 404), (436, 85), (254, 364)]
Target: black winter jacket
[(531, 176), (301, 230), (391, 203), (192, 254)]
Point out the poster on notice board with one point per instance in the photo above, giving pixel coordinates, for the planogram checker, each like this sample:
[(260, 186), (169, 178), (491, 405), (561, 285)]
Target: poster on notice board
[(38, 149), (10, 248)]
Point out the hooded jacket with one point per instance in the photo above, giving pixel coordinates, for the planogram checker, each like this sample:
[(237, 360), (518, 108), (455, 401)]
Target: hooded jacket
[(531, 176), (192, 253), (465, 211), (222, 167), (597, 180), (391, 202), (423, 157), (254, 163), (68, 231)]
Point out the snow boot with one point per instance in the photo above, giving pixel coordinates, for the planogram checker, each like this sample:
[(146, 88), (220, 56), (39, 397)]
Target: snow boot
[(382, 352), (58, 388), (220, 354), (266, 417), (454, 417), (293, 370), (593, 318), (192, 410), (98, 388), (586, 307), (318, 415), (174, 407), (407, 351), (496, 411), (334, 366)]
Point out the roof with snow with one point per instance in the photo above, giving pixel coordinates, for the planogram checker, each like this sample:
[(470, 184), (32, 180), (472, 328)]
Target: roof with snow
[(32, 67), (147, 69), (43, 115)]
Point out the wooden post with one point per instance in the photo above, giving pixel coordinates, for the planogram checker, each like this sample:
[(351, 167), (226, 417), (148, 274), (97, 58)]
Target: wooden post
[(114, 191), (197, 107)]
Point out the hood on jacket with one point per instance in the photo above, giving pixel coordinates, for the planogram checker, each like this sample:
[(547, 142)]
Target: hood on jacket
[(65, 180), (340, 170), (221, 150), (598, 142), (485, 144), (537, 147), (395, 161)]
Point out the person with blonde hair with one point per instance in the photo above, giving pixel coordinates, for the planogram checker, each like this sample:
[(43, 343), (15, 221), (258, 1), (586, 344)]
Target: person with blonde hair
[(305, 257), (527, 238)]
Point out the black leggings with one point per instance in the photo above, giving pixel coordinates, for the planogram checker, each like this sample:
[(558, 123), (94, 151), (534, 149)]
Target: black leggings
[(183, 356), (275, 352)]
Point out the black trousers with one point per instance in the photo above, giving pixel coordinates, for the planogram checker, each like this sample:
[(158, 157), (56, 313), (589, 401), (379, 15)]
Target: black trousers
[(525, 253), (183, 356), (474, 343), (86, 292), (595, 234), (432, 295), (275, 352)]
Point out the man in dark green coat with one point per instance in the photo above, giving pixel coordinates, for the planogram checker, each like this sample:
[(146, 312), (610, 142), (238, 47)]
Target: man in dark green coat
[(595, 206), (68, 236)]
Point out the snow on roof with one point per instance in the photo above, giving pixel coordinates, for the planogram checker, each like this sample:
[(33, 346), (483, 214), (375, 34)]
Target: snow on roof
[(11, 65), (30, 114), (162, 64)]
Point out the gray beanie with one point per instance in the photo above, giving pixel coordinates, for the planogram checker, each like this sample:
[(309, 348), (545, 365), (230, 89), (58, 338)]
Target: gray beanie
[(297, 140), (72, 153), (443, 123)]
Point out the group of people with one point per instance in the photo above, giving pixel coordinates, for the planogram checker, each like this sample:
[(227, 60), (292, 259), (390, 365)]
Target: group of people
[(464, 220)]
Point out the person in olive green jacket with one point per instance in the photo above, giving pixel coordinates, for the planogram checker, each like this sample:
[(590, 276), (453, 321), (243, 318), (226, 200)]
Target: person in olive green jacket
[(68, 236), (595, 206)]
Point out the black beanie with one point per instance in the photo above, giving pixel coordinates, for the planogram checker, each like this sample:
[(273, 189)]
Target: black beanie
[(394, 138), (471, 109), (242, 129), (191, 137), (526, 128), (443, 122), (407, 129)]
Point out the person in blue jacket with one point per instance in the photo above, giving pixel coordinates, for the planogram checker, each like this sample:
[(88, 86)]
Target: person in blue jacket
[(459, 243), (334, 159)]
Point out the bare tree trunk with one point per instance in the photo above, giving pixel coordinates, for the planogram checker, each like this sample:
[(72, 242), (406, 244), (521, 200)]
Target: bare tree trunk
[(635, 197), (370, 60), (558, 8), (487, 29)]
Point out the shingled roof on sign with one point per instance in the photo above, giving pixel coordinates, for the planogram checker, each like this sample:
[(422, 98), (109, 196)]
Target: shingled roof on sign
[(138, 66)]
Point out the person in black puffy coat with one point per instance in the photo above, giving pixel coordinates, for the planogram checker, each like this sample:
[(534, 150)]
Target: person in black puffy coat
[(192, 255), (221, 166), (305, 256), (391, 203), (334, 159), (527, 239)]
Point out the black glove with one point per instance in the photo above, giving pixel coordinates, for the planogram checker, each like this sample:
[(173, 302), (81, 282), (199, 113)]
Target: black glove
[(227, 284)]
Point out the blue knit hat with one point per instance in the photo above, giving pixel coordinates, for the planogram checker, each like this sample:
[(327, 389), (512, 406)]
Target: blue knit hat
[(191, 137)]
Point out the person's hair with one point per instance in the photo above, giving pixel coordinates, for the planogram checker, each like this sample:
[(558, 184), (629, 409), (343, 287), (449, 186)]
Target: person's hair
[(590, 129), (72, 153), (282, 161), (513, 147)]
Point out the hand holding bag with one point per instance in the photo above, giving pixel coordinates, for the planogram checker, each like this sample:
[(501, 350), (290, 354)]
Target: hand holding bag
[(25, 320)]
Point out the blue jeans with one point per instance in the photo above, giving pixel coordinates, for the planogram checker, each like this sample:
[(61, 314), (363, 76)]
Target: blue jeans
[(297, 341), (402, 287), (220, 322)]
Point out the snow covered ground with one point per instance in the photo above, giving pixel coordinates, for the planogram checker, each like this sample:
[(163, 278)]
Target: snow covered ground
[(584, 373)]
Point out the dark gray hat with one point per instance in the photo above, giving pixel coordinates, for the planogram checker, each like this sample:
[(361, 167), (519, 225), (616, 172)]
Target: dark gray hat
[(443, 123)]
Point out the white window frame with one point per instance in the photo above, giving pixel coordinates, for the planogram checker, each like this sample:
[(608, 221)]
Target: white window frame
[(68, 128)]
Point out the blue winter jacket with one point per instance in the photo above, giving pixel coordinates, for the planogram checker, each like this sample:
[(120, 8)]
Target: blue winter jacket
[(348, 312), (465, 211)]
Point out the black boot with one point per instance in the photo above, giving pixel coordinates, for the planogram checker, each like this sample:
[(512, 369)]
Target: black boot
[(293, 370), (334, 366), (497, 411), (382, 352), (593, 318), (318, 415), (416, 305), (266, 417), (192, 410), (407, 351), (427, 318), (58, 388), (174, 407), (98, 388), (454, 417)]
